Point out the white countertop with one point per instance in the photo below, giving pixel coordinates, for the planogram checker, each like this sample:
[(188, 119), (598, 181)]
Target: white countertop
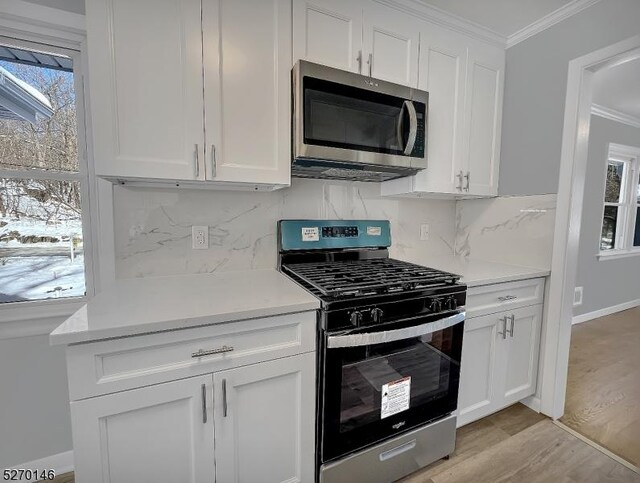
[(480, 272), (137, 306)]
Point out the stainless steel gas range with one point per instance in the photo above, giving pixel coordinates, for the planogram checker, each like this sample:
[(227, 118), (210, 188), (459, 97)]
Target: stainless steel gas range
[(389, 346)]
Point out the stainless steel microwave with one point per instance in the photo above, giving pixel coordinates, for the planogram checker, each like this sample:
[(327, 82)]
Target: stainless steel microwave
[(350, 126)]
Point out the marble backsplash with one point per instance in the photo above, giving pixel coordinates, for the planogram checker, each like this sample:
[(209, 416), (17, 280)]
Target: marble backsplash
[(514, 230), (153, 226)]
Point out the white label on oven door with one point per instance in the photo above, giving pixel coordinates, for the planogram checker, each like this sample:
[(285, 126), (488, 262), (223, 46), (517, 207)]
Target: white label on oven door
[(310, 234), (395, 397), (374, 231)]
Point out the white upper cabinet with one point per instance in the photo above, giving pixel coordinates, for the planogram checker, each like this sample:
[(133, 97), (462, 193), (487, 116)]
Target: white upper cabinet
[(390, 42), (190, 90), (465, 79), (247, 90), (485, 79), (328, 32), (443, 63), (145, 61)]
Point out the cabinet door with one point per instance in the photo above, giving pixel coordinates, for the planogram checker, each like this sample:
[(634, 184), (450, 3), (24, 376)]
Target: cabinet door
[(145, 64), (521, 353), (247, 75), (480, 367), (485, 80), (160, 433), (328, 32), (390, 45), (442, 71), (265, 420)]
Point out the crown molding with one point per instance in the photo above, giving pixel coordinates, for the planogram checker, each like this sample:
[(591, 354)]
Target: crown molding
[(613, 115), (549, 20), (448, 20)]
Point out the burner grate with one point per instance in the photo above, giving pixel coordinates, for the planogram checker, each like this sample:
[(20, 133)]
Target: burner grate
[(369, 276)]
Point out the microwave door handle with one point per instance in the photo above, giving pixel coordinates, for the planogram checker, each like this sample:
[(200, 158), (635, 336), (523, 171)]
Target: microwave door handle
[(400, 126), (370, 338), (413, 126)]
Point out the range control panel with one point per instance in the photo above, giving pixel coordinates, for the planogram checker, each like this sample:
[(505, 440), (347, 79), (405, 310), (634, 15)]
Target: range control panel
[(339, 231), (332, 234)]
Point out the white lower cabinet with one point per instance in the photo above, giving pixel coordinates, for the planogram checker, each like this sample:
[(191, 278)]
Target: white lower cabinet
[(499, 361), (156, 433), (264, 421), (251, 423)]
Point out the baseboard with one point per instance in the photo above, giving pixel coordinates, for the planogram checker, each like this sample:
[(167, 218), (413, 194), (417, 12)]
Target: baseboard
[(578, 319), (60, 463)]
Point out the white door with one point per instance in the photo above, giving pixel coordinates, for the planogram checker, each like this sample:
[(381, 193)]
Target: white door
[(480, 367), (161, 433), (247, 77), (328, 32), (265, 420), (390, 45), (485, 81), (145, 65), (442, 72), (522, 350)]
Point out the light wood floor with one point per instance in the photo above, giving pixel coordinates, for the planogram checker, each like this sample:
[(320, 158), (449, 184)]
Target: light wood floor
[(519, 445), (515, 445), (603, 389)]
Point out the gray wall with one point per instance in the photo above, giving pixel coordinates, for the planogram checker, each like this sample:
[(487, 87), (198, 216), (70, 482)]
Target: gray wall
[(535, 88), (34, 400), (75, 6), (611, 282)]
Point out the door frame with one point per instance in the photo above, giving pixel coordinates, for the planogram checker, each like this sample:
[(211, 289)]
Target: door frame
[(573, 164)]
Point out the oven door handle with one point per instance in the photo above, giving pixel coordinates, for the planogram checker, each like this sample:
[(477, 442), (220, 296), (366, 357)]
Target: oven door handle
[(370, 338)]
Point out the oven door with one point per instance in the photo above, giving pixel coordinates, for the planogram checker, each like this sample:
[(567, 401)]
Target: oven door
[(378, 383)]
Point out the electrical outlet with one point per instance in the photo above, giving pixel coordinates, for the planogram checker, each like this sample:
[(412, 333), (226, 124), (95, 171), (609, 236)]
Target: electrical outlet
[(577, 296), (424, 232), (199, 237)]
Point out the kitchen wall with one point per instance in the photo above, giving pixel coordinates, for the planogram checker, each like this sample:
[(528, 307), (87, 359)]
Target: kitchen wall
[(153, 226), (608, 282), (34, 400), (535, 88)]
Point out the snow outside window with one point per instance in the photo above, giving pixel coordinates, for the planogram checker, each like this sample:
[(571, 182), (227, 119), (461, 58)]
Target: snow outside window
[(41, 185)]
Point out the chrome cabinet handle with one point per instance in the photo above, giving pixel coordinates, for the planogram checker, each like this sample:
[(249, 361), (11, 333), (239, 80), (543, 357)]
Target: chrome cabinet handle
[(513, 322), (506, 298), (224, 398), (213, 161), (459, 176), (504, 327), (204, 404), (468, 177), (197, 161), (370, 65), (220, 350), (359, 59)]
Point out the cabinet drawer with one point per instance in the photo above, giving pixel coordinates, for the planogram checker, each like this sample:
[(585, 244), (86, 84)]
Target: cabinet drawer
[(489, 299), (118, 364)]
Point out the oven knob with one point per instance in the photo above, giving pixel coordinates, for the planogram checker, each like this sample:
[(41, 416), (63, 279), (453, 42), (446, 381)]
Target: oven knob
[(376, 315), (356, 317), (452, 303), (436, 305)]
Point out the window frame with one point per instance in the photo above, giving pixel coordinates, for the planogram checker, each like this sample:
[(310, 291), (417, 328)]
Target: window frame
[(628, 204), (60, 307)]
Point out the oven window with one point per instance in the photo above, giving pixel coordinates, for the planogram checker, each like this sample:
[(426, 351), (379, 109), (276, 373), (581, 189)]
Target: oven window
[(347, 117), (411, 372)]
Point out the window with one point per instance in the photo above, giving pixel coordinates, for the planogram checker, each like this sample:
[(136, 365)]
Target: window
[(43, 183), (621, 215)]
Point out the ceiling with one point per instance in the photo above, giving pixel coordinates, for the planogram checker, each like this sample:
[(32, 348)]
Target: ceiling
[(74, 6), (505, 17), (618, 88)]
